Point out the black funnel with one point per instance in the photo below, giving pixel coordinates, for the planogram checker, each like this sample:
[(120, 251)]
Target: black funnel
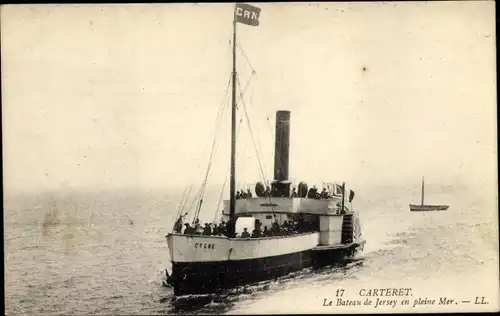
[(281, 185)]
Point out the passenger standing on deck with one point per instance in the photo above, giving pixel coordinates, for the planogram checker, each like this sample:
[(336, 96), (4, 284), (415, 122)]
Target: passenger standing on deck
[(313, 192), (268, 191), (324, 194), (285, 227), (238, 196), (197, 227), (265, 232), (206, 230), (301, 224), (217, 229), (178, 224), (222, 228), (275, 229), (294, 193), (226, 229), (256, 233), (188, 230), (249, 194), (308, 226), (316, 193), (245, 233)]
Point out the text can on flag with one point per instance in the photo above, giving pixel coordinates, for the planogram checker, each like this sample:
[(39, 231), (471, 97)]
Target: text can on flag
[(247, 14)]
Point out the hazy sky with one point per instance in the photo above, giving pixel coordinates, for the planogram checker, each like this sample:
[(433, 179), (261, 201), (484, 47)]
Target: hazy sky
[(127, 96)]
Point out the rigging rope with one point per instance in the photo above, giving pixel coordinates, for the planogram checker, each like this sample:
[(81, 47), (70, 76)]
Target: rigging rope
[(186, 199), (202, 190), (181, 203), (220, 200), (210, 160), (257, 152), (252, 134), (199, 195), (259, 148), (246, 57), (223, 102), (256, 144), (256, 141), (225, 180), (259, 145), (254, 74)]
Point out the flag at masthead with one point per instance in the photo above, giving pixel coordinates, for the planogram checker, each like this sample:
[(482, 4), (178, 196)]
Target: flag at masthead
[(249, 15)]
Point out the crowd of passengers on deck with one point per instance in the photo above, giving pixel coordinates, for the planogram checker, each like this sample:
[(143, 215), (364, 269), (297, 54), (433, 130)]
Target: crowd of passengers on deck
[(221, 229), (312, 193), (287, 228)]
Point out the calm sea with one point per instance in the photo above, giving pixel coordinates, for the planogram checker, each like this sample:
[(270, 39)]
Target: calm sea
[(105, 253)]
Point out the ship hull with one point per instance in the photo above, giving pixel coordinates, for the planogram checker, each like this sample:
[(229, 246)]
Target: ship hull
[(212, 276), (428, 208)]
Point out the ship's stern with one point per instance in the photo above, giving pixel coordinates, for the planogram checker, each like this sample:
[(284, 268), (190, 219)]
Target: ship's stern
[(341, 239)]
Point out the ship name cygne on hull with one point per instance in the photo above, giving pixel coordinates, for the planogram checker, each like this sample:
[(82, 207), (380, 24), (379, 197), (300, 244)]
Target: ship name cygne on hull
[(204, 246)]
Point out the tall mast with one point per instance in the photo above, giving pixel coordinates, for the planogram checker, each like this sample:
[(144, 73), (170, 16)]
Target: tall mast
[(422, 202), (232, 193)]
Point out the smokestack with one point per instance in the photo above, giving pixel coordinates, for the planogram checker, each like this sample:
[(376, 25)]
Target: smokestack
[(281, 185)]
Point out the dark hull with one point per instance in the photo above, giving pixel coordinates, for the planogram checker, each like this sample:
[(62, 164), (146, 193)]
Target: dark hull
[(427, 208), (212, 277)]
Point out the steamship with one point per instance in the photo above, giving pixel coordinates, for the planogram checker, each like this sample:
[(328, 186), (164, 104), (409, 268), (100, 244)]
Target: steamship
[(204, 264)]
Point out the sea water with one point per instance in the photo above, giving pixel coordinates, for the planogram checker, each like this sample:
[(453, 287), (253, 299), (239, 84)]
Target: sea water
[(106, 253)]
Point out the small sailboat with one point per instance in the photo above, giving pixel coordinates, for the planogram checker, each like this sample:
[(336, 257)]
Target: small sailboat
[(51, 217), (427, 207)]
